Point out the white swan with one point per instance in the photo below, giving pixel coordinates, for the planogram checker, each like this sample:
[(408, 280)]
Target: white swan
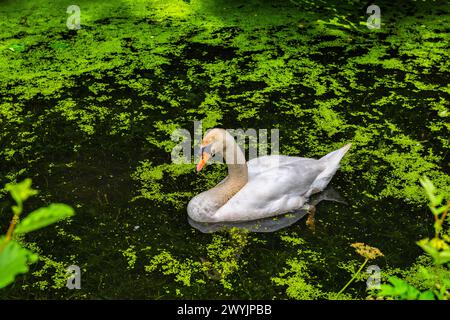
[(262, 187)]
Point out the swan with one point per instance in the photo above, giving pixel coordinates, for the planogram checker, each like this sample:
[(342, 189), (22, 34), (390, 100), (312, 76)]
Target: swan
[(262, 187)]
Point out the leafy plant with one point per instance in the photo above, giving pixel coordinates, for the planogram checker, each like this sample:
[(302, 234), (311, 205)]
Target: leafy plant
[(403, 290), (439, 250), (14, 259)]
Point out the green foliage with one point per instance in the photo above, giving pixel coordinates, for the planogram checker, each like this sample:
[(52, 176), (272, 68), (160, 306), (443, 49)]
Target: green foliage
[(437, 248), (438, 209), (14, 259), (404, 291), (20, 192), (43, 217)]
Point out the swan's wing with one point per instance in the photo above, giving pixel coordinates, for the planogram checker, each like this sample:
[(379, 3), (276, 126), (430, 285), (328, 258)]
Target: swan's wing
[(328, 164), (279, 189), (265, 163)]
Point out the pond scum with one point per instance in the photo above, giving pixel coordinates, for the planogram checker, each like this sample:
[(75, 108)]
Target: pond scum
[(88, 114)]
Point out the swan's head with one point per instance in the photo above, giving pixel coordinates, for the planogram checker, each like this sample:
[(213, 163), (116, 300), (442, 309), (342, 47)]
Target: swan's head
[(213, 143)]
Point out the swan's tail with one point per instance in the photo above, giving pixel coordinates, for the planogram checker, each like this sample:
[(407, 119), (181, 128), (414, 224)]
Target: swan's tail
[(337, 155), (331, 162)]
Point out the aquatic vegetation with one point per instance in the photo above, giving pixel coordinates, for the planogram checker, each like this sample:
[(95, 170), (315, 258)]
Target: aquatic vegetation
[(223, 255), (300, 284), (131, 256), (298, 287), (221, 261), (182, 270), (88, 115), (14, 258), (49, 273)]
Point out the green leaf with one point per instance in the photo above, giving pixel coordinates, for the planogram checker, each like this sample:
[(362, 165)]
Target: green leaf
[(439, 198), (21, 191), (14, 260), (440, 210), (427, 295), (387, 290), (399, 289), (429, 188), (436, 250), (43, 217), (443, 257)]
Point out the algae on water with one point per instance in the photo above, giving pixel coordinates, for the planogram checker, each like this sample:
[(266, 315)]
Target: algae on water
[(88, 114)]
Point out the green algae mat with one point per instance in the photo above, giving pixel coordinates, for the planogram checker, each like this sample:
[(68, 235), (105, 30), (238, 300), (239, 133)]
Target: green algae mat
[(87, 113)]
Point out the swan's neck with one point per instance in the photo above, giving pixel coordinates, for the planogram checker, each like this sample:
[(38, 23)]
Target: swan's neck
[(237, 172)]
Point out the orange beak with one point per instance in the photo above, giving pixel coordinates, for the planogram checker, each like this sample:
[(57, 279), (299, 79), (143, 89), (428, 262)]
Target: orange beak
[(202, 162)]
